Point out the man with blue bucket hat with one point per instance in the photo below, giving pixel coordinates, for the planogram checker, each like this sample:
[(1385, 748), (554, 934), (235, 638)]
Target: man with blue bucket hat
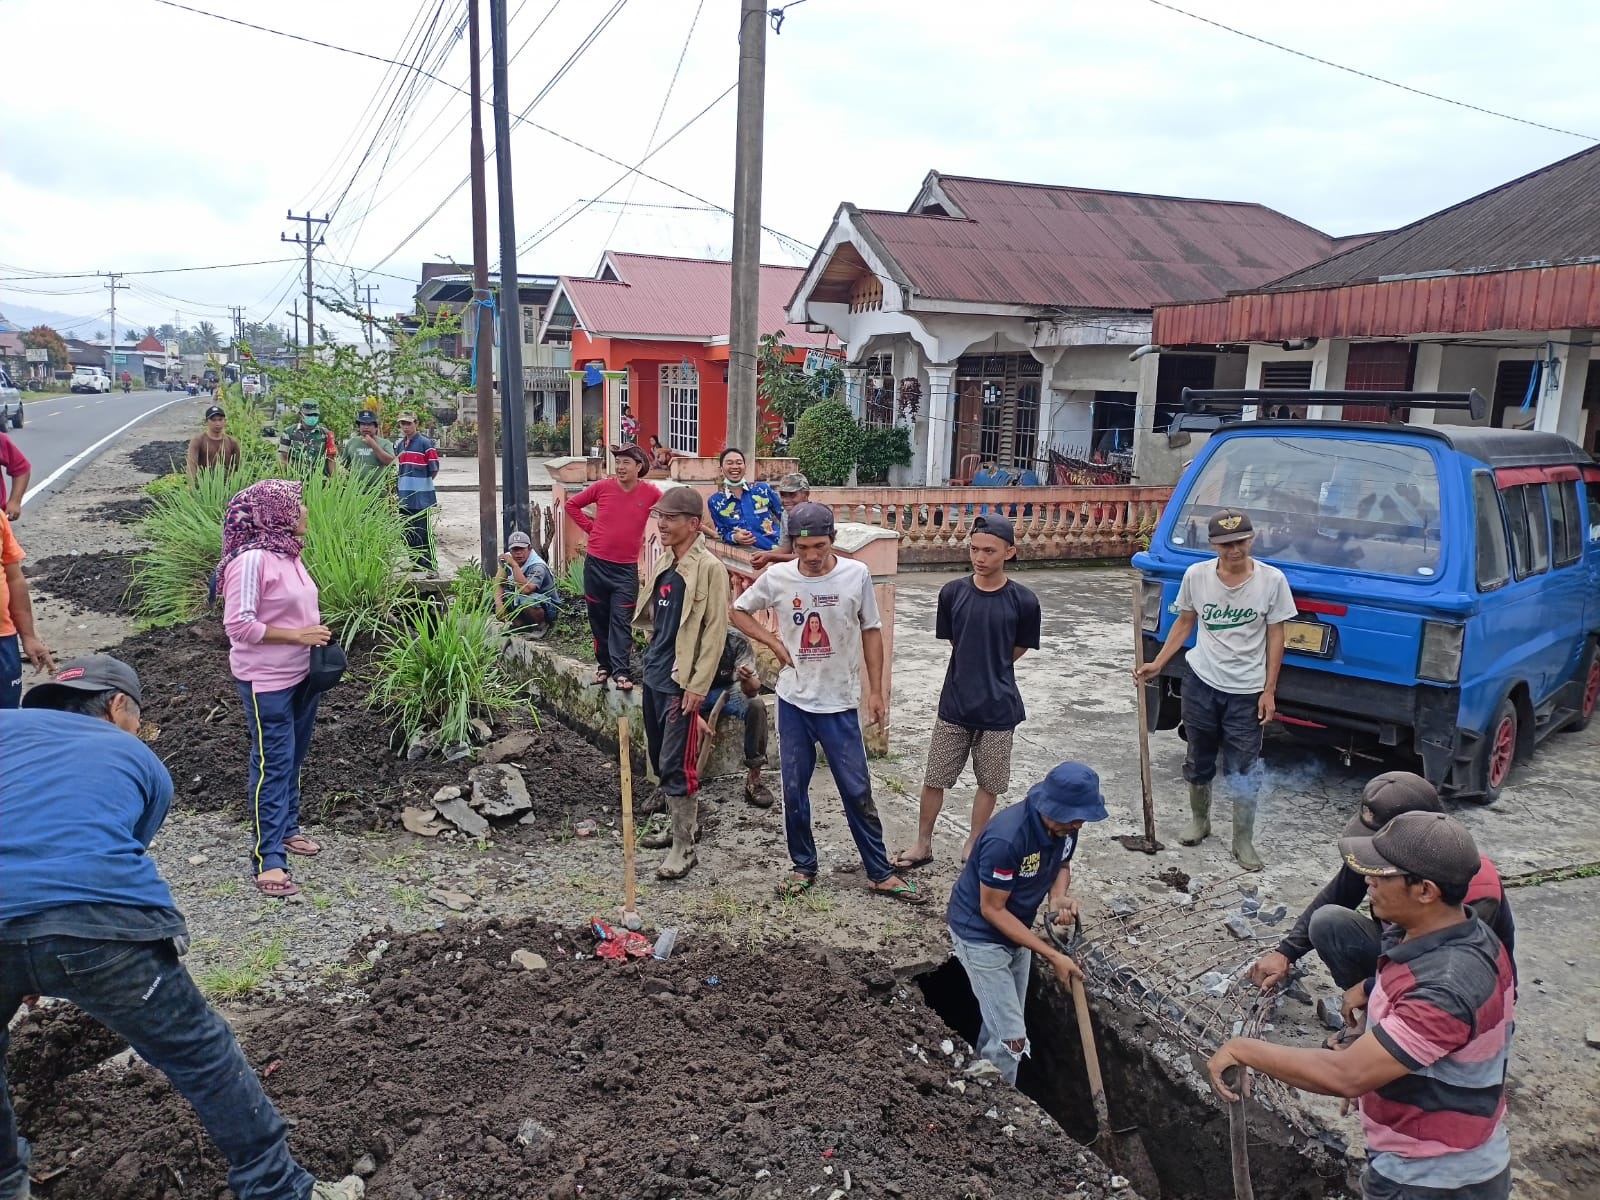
[(1022, 858)]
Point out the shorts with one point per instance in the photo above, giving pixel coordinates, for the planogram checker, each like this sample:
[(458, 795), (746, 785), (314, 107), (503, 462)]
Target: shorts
[(951, 746)]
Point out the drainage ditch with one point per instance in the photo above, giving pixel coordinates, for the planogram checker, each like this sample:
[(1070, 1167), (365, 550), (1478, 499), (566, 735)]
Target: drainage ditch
[(1184, 1130)]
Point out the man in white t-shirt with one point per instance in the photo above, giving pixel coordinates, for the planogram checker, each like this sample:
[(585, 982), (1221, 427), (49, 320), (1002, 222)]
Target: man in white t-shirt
[(828, 624), (1238, 606)]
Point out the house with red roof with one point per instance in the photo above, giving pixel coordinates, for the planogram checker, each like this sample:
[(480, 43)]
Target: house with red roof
[(658, 329), (1003, 320)]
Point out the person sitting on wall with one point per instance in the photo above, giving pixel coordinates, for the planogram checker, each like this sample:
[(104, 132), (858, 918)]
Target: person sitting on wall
[(660, 456), (745, 513), (525, 588)]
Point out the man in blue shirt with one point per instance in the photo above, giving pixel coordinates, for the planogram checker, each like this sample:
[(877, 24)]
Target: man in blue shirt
[(1022, 857), (86, 916), (746, 512)]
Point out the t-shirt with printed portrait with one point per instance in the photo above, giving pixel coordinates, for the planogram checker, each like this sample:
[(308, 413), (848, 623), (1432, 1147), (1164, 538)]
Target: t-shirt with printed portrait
[(820, 621)]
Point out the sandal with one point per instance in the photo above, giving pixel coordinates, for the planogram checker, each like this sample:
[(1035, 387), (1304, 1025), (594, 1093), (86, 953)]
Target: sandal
[(906, 893), (600, 677), (796, 885), (623, 682), (302, 845), (278, 889), (905, 861)]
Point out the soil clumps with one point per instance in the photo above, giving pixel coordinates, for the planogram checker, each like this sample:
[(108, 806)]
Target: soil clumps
[(160, 458), (97, 582), (123, 512)]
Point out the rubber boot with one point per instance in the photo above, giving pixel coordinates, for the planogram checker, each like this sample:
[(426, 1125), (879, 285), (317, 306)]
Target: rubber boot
[(681, 859), (1244, 823), (1199, 828), (657, 833)]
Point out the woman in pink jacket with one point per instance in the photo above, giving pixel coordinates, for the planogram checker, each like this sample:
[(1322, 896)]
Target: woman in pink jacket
[(272, 620)]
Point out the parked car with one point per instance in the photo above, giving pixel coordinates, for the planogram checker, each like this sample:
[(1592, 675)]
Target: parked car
[(90, 379), (1447, 576), (10, 402)]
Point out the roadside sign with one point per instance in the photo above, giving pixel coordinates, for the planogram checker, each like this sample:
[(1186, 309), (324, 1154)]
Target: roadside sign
[(118, 360), (40, 355)]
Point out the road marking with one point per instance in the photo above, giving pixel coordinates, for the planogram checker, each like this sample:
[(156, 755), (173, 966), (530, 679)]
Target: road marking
[(39, 487), (75, 407)]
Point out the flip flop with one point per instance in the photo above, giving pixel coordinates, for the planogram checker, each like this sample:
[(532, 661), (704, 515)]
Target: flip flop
[(600, 678), (796, 885), (904, 862), (906, 893), (278, 889), (624, 683), (302, 845)]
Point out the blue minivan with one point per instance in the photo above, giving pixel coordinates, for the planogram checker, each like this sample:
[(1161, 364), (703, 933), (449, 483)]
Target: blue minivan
[(1447, 576)]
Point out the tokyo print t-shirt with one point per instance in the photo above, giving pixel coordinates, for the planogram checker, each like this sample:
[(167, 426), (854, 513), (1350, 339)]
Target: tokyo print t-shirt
[(1230, 644), (820, 621)]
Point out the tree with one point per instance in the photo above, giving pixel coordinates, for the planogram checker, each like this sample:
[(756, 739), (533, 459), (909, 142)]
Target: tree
[(263, 339), (169, 333), (827, 440), (207, 338), (101, 335), (42, 337), (784, 388), (149, 332)]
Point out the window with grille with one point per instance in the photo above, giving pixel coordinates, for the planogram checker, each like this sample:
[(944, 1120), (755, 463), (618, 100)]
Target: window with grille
[(530, 326), (1286, 375), (1025, 441), (680, 396)]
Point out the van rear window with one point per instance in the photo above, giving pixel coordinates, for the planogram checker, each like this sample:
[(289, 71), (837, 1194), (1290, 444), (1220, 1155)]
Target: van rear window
[(1331, 502)]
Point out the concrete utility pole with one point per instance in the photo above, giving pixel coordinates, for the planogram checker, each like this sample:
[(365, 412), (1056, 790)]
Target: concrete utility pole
[(310, 242), (744, 306), (112, 279), (513, 428), (368, 289), (482, 327), (238, 330)]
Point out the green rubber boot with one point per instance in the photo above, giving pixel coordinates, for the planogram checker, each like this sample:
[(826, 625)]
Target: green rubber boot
[(1244, 823), (1199, 828)]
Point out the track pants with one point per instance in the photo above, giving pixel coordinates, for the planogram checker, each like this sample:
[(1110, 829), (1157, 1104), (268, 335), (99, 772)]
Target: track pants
[(611, 591), (280, 725), (673, 738)]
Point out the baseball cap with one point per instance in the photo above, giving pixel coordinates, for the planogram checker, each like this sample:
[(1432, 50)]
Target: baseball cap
[(995, 524), (92, 673), (215, 410), (1430, 845), (1388, 795), (793, 482), (810, 520), (309, 406), (518, 539), (407, 415), (680, 501), (633, 452), (1071, 792), (366, 417), (1229, 525)]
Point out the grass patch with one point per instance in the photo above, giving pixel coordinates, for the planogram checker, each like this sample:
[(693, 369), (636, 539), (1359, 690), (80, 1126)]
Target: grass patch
[(239, 979), (1589, 870), (409, 899)]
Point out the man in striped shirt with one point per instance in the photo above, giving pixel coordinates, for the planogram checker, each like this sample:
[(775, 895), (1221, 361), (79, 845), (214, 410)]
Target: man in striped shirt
[(1429, 1072), (419, 463)]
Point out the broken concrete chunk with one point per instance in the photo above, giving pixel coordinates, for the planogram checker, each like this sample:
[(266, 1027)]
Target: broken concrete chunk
[(513, 745), (587, 827), (420, 822), (1122, 906), (528, 960), (454, 901), (447, 793), (463, 818), (481, 730), (1240, 927), (199, 860), (1591, 1036), (422, 745), (1271, 916), (982, 1069), (365, 1166), (947, 1047), (498, 790), (1250, 906), (1329, 1011), (1215, 983)]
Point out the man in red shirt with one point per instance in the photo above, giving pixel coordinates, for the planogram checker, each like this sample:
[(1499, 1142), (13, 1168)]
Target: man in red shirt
[(15, 464), (17, 636), (622, 506)]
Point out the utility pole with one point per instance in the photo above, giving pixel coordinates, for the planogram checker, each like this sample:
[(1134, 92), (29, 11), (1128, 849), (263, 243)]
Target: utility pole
[(513, 429), (482, 327), (294, 332), (368, 289), (310, 242), (744, 305), (112, 282), (238, 331)]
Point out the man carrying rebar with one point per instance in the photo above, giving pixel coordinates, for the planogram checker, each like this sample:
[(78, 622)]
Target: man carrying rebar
[(1238, 606), (87, 917), (1021, 860), (1429, 1072)]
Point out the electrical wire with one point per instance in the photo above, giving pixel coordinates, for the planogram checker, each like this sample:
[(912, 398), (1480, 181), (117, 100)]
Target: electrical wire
[(265, 262)]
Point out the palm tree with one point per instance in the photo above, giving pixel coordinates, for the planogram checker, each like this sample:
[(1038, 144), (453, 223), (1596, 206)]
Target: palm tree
[(207, 337)]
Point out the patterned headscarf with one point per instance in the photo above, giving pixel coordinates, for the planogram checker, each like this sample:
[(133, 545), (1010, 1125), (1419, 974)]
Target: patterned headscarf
[(262, 517)]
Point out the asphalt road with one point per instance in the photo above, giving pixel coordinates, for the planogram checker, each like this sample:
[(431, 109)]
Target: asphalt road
[(62, 433)]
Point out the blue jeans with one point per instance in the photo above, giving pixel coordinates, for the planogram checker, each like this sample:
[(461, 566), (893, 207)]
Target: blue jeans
[(1219, 724), (11, 671), (754, 715), (999, 978), (839, 734), (280, 725), (140, 991)]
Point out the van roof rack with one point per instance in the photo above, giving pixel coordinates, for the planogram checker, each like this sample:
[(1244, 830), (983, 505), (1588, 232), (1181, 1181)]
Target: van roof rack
[(1198, 400)]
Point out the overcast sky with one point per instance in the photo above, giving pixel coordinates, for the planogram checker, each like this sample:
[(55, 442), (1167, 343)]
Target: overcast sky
[(136, 136)]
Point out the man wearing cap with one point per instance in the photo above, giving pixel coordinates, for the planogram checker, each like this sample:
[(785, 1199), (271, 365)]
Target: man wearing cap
[(794, 488), (1022, 858), (990, 622), (828, 622), (364, 452), (419, 463), (1349, 943), (307, 447), (622, 506), (1230, 678), (685, 605), (525, 588), (86, 916), (18, 638), (213, 446), (1429, 1072)]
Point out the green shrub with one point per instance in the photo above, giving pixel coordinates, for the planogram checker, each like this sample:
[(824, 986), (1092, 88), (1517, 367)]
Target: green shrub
[(184, 530), (827, 441), (883, 447)]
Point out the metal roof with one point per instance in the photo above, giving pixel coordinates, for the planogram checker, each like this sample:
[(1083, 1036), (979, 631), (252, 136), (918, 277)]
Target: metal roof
[(1023, 243)]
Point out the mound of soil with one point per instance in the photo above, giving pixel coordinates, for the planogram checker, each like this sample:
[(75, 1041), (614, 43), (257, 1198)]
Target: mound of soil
[(97, 582), (123, 512), (160, 458), (720, 1073), (351, 777)]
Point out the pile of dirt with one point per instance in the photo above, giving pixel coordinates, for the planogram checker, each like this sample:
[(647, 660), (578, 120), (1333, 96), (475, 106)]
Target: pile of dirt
[(352, 776), (720, 1073), (160, 458), (123, 512), (93, 582)]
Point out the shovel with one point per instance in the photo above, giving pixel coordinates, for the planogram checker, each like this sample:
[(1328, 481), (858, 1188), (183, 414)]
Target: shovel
[(1145, 842), (630, 915)]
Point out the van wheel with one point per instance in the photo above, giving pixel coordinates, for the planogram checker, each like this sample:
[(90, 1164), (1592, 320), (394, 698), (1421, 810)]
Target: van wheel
[(1589, 673), (1498, 752)]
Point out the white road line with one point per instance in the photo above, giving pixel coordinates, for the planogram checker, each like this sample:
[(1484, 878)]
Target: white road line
[(75, 407), (39, 487)]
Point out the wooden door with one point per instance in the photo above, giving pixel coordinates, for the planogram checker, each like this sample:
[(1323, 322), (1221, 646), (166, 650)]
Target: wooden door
[(965, 438)]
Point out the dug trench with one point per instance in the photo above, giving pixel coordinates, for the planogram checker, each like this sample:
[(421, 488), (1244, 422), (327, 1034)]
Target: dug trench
[(1182, 1129)]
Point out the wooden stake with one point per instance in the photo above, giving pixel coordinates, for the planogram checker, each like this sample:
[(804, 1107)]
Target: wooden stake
[(629, 887), (1147, 843)]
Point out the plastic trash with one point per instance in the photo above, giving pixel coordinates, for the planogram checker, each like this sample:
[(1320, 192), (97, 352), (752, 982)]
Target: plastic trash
[(665, 941)]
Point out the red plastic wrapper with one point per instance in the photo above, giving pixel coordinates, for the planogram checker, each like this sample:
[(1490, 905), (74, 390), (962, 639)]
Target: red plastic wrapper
[(623, 946)]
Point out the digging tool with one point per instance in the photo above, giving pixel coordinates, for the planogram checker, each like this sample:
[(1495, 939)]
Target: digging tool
[(1238, 1146), (630, 916), (1145, 842), (709, 740)]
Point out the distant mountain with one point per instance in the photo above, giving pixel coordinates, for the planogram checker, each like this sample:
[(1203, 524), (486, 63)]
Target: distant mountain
[(25, 316)]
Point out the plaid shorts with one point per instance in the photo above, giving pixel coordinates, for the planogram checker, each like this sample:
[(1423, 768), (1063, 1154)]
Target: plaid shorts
[(951, 746)]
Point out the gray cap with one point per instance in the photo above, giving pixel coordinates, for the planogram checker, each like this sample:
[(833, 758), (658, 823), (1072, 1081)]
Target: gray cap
[(810, 520), (93, 673), (793, 482), (1388, 795), (518, 539)]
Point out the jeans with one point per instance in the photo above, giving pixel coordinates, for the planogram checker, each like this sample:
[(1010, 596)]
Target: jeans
[(999, 978), (419, 538), (749, 710), (611, 591), (140, 991), (11, 671), (673, 739), (1376, 1187), (839, 734), (1347, 943), (1219, 722), (280, 725)]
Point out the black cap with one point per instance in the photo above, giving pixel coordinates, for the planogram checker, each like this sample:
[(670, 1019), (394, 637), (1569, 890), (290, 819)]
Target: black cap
[(810, 520), (1431, 846), (1229, 525), (366, 417), (997, 526), (215, 411), (1388, 795), (93, 673)]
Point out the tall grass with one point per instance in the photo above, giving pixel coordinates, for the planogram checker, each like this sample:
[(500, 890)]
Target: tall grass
[(184, 529)]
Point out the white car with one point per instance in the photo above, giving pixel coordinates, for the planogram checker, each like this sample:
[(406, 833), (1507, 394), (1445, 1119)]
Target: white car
[(90, 379), (10, 403)]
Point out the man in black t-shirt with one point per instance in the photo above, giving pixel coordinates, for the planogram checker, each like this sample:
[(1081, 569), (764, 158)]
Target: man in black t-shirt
[(990, 622)]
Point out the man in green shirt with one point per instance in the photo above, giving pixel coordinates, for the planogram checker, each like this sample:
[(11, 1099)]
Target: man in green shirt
[(364, 452)]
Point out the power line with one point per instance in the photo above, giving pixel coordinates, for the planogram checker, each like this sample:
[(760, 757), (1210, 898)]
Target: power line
[(1404, 87), (265, 262)]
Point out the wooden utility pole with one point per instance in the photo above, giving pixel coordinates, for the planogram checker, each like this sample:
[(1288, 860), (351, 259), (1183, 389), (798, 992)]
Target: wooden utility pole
[(483, 328), (310, 242), (744, 306), (513, 420)]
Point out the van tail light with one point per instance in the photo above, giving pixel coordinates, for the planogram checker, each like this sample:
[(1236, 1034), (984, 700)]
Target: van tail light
[(1150, 604), (1441, 652)]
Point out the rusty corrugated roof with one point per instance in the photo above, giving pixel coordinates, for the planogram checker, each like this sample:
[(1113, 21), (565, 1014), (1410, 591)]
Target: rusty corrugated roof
[(1021, 243)]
